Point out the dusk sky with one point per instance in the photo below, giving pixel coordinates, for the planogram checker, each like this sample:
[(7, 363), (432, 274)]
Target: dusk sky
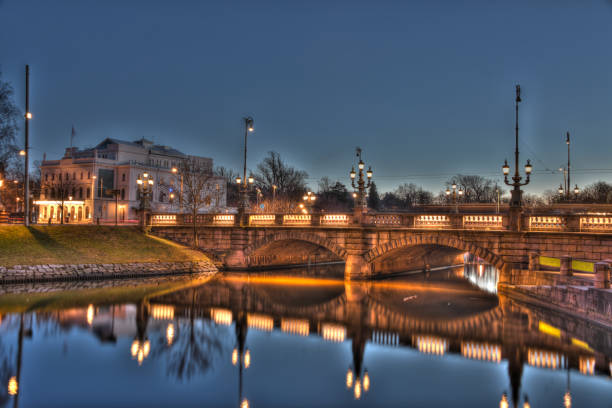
[(425, 88)]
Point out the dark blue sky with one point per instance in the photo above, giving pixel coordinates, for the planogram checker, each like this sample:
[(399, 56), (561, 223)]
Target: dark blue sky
[(426, 89)]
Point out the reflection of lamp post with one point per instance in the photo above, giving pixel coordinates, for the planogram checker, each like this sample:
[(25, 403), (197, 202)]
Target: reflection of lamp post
[(140, 349), (241, 356), (362, 204), (454, 195)]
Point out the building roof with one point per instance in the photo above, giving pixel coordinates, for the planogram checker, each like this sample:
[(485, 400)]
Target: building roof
[(142, 143)]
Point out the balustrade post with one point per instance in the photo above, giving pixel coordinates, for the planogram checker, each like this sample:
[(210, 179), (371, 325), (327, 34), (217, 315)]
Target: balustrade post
[(515, 215), (315, 219), (602, 275), (572, 222), (456, 221), (566, 266), (534, 262), (278, 219), (408, 220)]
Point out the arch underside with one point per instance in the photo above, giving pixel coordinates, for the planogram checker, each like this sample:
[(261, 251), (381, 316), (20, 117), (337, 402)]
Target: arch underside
[(293, 249), (448, 248)]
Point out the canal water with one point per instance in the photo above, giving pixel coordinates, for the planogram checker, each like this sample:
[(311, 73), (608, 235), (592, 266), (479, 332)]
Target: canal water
[(439, 339)]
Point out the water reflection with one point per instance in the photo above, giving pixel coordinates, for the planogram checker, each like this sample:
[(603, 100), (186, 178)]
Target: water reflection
[(263, 340)]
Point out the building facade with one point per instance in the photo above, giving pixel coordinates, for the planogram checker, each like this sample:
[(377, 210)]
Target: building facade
[(100, 184)]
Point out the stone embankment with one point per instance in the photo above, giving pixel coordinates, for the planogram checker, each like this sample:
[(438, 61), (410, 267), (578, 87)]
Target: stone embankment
[(50, 273)]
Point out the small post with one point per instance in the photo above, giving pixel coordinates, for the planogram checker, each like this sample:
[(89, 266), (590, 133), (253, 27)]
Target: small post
[(566, 266), (602, 275)]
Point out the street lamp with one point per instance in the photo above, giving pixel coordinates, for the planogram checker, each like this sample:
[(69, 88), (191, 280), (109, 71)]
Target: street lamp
[(454, 194), (145, 189), (516, 192), (309, 198), (362, 185), (180, 181), (249, 124)]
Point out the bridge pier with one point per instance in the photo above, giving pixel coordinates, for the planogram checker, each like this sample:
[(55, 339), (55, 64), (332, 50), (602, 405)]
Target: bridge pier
[(357, 268)]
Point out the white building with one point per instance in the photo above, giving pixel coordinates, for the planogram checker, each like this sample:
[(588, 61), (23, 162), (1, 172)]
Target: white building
[(102, 182)]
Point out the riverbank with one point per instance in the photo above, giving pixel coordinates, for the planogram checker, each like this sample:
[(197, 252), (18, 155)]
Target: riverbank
[(64, 253)]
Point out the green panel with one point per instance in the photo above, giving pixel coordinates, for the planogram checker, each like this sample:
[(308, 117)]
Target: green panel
[(552, 262), (583, 266)]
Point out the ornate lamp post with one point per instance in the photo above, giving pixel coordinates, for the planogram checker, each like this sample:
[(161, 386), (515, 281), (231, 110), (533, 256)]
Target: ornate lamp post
[(309, 200), (145, 188), (454, 194), (516, 192), (180, 182), (362, 185)]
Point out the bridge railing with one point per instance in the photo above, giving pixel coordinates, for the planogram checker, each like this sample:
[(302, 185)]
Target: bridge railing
[(542, 222)]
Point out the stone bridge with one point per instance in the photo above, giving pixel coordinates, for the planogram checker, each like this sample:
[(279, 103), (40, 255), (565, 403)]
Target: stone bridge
[(374, 244)]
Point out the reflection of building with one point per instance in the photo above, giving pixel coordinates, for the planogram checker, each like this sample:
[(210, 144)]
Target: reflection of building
[(100, 183)]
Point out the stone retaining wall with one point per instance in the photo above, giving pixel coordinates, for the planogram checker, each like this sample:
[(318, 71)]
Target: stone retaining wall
[(48, 273), (591, 303)]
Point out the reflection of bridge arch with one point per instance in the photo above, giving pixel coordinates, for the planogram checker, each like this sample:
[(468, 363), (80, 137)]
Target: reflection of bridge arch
[(297, 236), (459, 326), (433, 239)]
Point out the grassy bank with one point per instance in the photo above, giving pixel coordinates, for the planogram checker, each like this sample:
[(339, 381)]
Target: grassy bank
[(74, 244)]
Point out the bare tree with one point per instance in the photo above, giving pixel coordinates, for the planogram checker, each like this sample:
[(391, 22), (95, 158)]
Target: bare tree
[(195, 179), (9, 116), (273, 171)]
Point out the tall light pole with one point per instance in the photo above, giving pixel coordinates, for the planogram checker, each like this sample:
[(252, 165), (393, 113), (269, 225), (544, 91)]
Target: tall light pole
[(567, 188), (516, 192), (28, 116), (244, 202), (361, 186)]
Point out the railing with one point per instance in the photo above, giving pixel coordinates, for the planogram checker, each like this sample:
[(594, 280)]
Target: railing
[(297, 219), (223, 219), (432, 221), (590, 223), (546, 223), (596, 223), (483, 221), (262, 219), (334, 219)]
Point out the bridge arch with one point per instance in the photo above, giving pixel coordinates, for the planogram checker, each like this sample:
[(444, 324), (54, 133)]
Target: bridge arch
[(433, 239), (304, 236)]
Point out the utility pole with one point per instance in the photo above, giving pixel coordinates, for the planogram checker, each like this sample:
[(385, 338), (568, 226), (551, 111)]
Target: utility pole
[(28, 116)]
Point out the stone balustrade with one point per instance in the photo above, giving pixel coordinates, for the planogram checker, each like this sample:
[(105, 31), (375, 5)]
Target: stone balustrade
[(592, 223)]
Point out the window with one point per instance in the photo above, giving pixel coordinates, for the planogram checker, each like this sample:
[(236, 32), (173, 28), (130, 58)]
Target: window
[(123, 177), (162, 197), (88, 175), (81, 192), (46, 176), (52, 176), (123, 193), (60, 177), (73, 175), (81, 175), (88, 192)]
